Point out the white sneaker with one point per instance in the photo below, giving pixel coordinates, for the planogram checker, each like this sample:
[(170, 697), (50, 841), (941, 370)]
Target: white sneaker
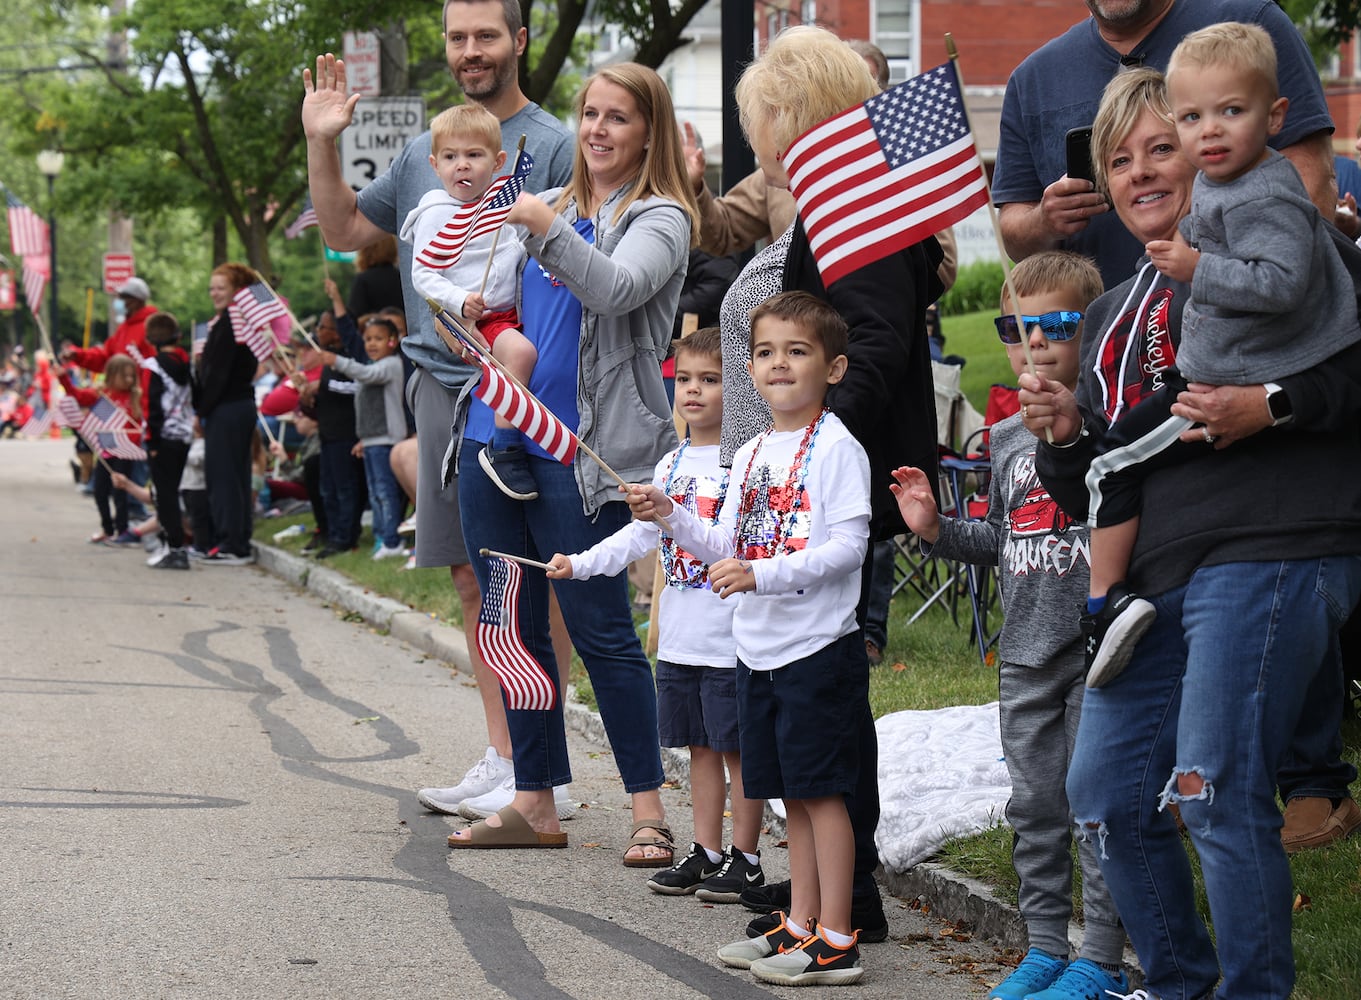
[(407, 527), (489, 772), (156, 553), (388, 552), (482, 806)]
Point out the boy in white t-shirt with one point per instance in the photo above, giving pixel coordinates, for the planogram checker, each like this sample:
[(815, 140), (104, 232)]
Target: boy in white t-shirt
[(478, 287), (696, 683), (789, 544)]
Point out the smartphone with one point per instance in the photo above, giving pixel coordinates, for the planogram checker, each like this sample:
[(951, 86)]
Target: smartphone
[(1078, 147)]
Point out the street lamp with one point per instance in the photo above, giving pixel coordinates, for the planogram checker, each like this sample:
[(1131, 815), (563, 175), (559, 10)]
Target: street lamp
[(49, 164)]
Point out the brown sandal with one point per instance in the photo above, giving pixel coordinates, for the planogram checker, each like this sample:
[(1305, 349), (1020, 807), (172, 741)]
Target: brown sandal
[(514, 833), (662, 838)]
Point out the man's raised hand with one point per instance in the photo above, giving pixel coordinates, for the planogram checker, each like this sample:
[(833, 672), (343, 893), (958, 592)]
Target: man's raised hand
[(327, 107)]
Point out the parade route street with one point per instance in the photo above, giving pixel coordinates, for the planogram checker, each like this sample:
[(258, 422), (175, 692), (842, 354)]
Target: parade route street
[(208, 790)]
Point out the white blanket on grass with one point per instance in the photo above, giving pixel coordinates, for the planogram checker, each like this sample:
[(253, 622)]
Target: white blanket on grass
[(941, 775)]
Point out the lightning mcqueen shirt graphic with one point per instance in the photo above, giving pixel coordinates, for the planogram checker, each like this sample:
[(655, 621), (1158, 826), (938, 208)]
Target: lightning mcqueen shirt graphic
[(1041, 554)]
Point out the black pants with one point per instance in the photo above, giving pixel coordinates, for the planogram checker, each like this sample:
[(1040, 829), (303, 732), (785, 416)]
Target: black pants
[(167, 466), (200, 514), (114, 523), (311, 481), (227, 436)]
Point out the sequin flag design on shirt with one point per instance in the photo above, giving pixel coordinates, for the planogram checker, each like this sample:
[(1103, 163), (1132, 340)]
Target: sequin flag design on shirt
[(526, 414), (527, 685)]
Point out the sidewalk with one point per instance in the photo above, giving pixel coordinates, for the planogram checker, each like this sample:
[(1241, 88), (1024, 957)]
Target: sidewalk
[(949, 896)]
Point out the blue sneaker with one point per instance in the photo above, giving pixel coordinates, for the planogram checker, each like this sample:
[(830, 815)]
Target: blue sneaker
[(1083, 980), (1037, 971)]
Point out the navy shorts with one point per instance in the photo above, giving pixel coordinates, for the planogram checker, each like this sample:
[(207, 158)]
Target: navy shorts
[(799, 723), (697, 707)]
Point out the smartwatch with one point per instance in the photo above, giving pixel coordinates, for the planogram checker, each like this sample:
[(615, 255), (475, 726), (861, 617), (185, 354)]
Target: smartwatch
[(1278, 405)]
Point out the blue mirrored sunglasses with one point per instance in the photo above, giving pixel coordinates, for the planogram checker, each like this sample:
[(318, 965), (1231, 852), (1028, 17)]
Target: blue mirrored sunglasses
[(1054, 325)]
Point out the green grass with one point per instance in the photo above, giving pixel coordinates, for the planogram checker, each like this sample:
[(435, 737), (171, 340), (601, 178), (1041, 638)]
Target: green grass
[(932, 664)]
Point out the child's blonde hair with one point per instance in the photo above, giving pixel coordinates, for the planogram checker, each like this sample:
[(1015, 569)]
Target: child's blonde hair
[(1055, 271), (1244, 48), (469, 121), (118, 366)]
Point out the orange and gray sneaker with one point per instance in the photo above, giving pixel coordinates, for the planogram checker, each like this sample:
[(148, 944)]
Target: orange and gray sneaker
[(815, 962), (776, 941)]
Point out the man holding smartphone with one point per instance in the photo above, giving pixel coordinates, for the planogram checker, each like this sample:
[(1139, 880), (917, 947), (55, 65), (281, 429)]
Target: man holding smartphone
[(1042, 207)]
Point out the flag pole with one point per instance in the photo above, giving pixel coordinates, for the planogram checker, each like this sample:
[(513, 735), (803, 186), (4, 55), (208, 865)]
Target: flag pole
[(461, 343), (485, 553), (953, 52), (486, 272)]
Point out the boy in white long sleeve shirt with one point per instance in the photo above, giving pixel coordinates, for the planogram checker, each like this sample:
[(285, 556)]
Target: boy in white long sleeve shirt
[(478, 286), (788, 546), (696, 683)]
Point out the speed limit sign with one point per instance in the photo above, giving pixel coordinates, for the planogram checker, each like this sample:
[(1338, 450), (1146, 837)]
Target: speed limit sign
[(381, 127)]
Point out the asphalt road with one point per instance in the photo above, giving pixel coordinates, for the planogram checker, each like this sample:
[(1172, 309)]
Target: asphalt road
[(207, 789)]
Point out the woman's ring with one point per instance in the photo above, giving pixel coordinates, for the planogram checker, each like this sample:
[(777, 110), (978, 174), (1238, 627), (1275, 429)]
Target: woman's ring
[(1209, 438), (1025, 412)]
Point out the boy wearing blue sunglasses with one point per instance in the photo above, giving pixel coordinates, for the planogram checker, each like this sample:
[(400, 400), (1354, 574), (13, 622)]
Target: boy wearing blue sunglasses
[(1041, 555)]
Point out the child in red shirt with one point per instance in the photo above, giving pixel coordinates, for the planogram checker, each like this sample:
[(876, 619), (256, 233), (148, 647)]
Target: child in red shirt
[(122, 388)]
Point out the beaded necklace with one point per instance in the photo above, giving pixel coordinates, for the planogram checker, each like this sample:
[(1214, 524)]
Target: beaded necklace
[(777, 536), (673, 557)]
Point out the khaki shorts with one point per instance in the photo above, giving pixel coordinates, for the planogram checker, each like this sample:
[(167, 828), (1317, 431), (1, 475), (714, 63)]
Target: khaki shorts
[(439, 532)]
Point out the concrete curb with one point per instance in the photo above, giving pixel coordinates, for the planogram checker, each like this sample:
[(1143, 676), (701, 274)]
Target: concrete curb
[(949, 896)]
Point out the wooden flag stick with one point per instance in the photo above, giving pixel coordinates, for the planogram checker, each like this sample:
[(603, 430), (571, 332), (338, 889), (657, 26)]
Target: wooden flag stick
[(953, 53), (486, 272), (516, 559)]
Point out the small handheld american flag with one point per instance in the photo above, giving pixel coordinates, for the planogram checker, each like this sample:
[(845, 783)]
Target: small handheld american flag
[(119, 445), (477, 218), (306, 219), (251, 311), (527, 686), (526, 414)]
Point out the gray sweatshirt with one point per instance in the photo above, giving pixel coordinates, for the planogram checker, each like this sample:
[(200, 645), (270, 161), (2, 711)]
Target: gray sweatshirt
[(378, 415), (1271, 296), (1041, 553)]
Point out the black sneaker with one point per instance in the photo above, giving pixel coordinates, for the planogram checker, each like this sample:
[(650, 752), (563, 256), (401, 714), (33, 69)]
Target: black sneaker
[(736, 874), (767, 898), (317, 541), (1110, 635), (684, 878), (508, 468), (219, 558), (173, 559), (867, 917), (817, 962)]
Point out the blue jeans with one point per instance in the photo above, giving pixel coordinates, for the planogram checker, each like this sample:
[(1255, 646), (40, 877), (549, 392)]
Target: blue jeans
[(1313, 766), (597, 613), (386, 499), (1214, 690)]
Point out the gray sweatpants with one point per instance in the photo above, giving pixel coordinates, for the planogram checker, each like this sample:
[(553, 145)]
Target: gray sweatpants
[(1040, 707)]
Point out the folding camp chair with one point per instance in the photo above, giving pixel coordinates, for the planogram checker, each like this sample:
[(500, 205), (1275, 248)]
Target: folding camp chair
[(968, 476)]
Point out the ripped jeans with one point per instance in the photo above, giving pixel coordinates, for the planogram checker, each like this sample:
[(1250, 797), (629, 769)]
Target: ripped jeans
[(1213, 693)]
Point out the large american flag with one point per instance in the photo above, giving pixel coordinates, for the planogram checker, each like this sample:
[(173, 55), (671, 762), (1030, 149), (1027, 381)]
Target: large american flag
[(886, 174), (476, 218), (251, 311), (526, 414), (527, 686), (120, 445), (305, 220), (27, 230)]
